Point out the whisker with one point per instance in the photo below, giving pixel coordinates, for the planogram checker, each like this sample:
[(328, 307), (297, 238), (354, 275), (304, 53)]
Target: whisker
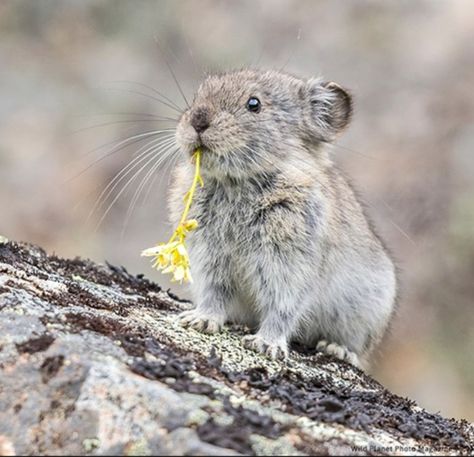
[(262, 119), (159, 160), (170, 68), (389, 207), (345, 148), (157, 116), (130, 138), (292, 51), (114, 150), (171, 166), (197, 68), (403, 232), (137, 152), (119, 176), (125, 171), (164, 155), (125, 187), (392, 222), (169, 105), (165, 97), (129, 121)]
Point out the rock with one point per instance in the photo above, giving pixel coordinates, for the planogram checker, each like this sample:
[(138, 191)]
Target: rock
[(93, 362)]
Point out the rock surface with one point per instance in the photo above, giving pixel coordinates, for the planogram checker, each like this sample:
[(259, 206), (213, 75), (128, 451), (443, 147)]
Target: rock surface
[(93, 362)]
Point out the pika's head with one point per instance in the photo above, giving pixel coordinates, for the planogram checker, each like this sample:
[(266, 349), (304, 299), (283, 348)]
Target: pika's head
[(248, 122)]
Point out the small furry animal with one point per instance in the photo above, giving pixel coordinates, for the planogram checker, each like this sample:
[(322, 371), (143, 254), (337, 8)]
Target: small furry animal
[(283, 245)]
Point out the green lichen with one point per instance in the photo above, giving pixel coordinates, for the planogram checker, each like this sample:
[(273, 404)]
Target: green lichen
[(90, 444), (197, 417), (139, 447), (266, 446)]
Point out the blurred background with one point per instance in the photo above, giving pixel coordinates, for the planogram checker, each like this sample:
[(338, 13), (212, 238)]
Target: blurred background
[(73, 84)]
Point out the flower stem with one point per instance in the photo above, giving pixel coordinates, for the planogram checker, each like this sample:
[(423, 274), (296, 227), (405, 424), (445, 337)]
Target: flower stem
[(189, 197)]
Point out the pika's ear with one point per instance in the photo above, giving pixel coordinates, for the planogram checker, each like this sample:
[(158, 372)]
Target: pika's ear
[(330, 107)]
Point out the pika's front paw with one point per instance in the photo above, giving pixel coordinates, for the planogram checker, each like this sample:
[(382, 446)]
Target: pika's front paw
[(274, 350), (197, 321), (338, 351)]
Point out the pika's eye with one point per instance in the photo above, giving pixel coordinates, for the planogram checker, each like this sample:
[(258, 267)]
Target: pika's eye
[(253, 104)]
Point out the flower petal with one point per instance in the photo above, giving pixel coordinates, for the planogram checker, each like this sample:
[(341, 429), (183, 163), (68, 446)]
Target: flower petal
[(179, 274)]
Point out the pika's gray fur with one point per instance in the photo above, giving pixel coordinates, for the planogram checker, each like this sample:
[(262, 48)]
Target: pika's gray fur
[(283, 245)]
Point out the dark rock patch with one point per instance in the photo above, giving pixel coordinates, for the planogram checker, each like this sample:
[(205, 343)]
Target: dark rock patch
[(50, 367), (34, 345), (320, 400)]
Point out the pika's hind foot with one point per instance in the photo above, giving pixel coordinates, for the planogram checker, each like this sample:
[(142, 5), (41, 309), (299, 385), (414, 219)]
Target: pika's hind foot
[(197, 321), (274, 350), (339, 352)]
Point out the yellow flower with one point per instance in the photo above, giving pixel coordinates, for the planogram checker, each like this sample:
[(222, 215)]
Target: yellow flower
[(172, 257), (163, 254)]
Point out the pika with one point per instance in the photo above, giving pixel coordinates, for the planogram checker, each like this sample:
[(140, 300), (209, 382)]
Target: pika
[(283, 245)]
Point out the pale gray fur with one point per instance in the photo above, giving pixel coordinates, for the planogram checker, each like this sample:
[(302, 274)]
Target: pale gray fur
[(283, 244)]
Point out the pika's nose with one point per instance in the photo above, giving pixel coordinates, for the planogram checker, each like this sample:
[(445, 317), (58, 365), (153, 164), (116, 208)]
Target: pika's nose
[(200, 119)]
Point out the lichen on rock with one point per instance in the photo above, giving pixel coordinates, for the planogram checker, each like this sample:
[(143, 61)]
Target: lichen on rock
[(93, 361)]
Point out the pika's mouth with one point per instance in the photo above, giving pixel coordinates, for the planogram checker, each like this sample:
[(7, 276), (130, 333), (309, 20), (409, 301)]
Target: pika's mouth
[(199, 144), (203, 148)]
